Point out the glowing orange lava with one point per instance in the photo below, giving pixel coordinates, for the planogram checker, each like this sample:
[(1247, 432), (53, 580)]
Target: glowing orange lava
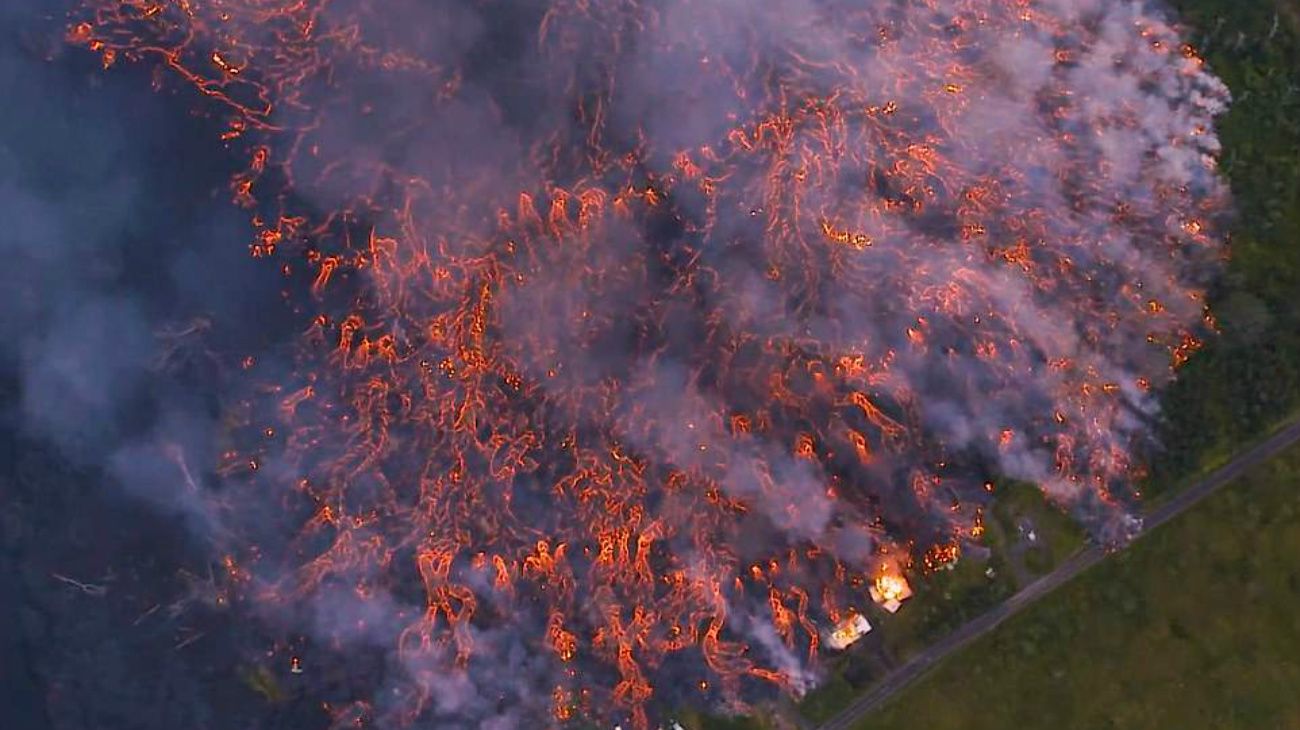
[(634, 334)]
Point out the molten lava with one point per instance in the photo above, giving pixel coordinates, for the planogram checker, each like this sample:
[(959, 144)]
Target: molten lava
[(636, 335)]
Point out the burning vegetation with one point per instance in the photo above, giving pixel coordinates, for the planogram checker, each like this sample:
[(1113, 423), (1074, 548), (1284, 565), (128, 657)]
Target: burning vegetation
[(642, 340)]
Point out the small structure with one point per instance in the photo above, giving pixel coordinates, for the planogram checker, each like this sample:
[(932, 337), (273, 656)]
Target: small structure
[(889, 591), (846, 632), (1026, 530)]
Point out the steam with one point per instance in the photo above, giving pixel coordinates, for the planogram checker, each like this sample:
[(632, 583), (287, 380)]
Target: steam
[(118, 286), (680, 311)]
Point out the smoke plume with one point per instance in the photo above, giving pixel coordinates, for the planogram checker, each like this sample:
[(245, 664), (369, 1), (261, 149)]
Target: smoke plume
[(632, 339)]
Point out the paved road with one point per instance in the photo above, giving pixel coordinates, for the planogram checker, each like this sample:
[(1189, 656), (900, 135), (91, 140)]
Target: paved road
[(1077, 563)]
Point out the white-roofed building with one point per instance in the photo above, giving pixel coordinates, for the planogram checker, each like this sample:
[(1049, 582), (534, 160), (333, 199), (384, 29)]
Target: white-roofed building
[(846, 632)]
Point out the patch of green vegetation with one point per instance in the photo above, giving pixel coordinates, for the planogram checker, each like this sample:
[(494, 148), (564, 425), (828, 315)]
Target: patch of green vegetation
[(829, 698), (1193, 626), (699, 721), (850, 672), (944, 600), (1056, 535), (1248, 379), (263, 682)]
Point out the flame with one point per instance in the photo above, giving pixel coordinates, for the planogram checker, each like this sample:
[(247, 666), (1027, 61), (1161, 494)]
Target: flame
[(892, 587)]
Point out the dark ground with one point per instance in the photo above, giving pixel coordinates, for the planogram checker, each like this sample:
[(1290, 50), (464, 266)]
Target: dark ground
[(106, 190)]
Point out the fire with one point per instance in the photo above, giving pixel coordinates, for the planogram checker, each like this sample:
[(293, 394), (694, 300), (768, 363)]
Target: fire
[(848, 631), (945, 556), (891, 587), (635, 333)]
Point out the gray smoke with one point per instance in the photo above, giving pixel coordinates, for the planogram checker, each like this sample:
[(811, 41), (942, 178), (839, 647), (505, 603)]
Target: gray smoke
[(1004, 211)]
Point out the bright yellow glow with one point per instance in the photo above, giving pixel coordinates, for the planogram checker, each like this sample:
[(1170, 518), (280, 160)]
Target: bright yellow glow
[(891, 587)]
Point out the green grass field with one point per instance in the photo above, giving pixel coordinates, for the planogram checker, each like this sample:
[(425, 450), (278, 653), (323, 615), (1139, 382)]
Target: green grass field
[(1195, 626)]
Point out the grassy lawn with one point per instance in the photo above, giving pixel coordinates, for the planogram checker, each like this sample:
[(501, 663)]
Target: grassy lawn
[(1057, 536), (1195, 626), (695, 720)]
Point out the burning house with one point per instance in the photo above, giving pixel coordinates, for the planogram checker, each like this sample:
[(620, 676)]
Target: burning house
[(889, 591), (848, 631)]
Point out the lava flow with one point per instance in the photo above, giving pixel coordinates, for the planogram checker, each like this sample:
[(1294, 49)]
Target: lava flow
[(641, 337)]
